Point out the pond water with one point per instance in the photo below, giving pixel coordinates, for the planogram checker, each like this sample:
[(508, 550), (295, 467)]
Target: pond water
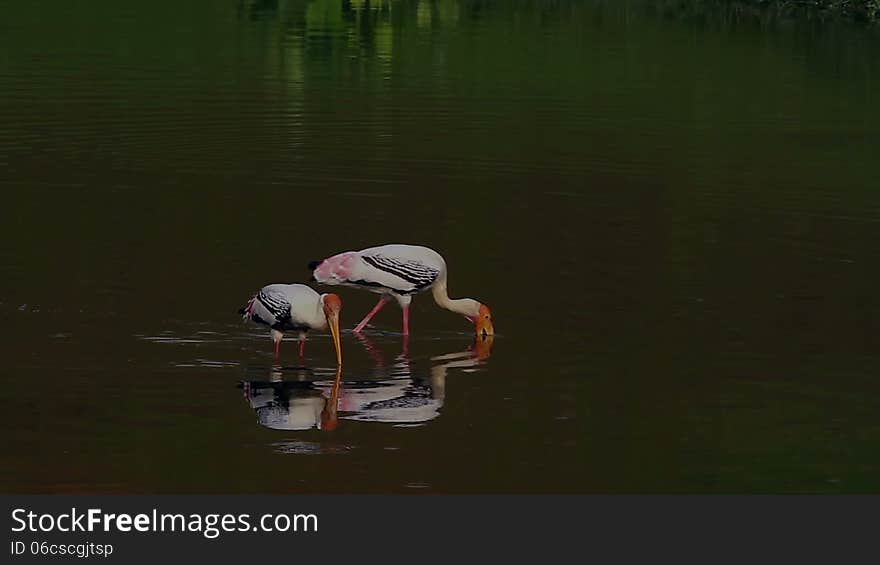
[(673, 215)]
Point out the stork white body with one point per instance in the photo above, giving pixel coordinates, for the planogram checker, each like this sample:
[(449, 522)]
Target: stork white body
[(395, 271), (287, 307)]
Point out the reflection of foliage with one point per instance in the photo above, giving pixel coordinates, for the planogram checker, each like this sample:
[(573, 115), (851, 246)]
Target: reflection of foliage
[(430, 12), (375, 5), (324, 14), (860, 10), (262, 9)]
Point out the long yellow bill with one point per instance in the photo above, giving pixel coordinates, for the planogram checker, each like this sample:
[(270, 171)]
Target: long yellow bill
[(334, 330)]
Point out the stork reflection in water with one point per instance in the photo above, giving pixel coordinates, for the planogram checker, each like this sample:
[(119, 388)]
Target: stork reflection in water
[(294, 404), (394, 394)]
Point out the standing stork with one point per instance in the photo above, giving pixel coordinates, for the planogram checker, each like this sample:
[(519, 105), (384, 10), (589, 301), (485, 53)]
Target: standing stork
[(399, 271), (294, 307)]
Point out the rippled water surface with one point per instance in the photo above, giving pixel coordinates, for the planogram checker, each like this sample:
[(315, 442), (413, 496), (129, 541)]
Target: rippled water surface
[(674, 217)]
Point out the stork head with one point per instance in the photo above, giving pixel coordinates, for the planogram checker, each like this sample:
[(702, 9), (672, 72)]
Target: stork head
[(481, 316), (332, 305)]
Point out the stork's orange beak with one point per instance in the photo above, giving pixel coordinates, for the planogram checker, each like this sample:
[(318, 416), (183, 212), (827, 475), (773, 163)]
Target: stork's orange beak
[(332, 307), (483, 347), (334, 331), (483, 322)]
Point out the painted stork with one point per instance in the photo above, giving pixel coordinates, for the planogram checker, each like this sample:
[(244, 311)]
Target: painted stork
[(399, 271), (294, 307)]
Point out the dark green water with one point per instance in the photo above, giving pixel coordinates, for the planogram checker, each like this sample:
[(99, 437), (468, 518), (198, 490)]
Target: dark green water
[(674, 218)]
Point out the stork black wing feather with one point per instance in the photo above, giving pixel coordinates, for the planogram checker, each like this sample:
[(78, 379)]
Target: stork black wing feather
[(412, 272)]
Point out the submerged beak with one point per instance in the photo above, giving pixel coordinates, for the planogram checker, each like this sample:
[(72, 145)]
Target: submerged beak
[(484, 327), (333, 319), (483, 346)]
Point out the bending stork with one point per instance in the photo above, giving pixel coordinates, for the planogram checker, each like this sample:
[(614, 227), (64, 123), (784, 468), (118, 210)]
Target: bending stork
[(399, 271), (294, 307)]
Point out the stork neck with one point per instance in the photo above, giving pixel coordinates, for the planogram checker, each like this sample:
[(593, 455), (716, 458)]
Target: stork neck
[(463, 306)]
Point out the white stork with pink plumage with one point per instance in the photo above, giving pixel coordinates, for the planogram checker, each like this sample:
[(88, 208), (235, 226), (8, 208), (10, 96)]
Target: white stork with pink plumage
[(399, 271)]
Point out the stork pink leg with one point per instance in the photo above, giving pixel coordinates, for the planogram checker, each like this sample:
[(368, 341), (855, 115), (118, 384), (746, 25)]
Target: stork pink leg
[(277, 350), (302, 348), (382, 302), (406, 321), (372, 350)]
